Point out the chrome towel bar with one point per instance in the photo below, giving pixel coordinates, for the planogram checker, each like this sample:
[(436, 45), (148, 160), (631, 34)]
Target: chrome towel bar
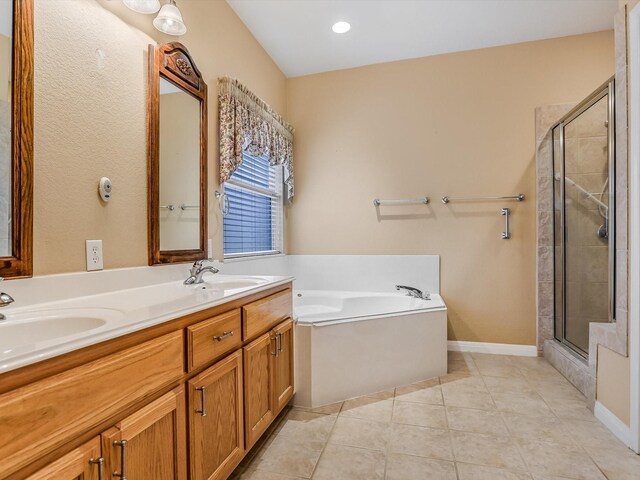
[(407, 201), (519, 197)]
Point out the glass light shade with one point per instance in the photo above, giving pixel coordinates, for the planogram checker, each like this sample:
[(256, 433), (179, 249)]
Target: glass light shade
[(169, 20), (143, 6)]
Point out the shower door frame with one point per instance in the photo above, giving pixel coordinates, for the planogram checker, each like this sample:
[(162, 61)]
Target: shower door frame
[(608, 88)]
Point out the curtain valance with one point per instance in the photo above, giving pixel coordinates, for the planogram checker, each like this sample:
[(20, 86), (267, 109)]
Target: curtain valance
[(248, 123)]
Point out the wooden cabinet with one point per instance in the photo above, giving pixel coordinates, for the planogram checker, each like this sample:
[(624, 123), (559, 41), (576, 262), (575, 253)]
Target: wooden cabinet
[(268, 378), (82, 463), (263, 314), (258, 386), (46, 414), (216, 432), (283, 364), (151, 443), (154, 403)]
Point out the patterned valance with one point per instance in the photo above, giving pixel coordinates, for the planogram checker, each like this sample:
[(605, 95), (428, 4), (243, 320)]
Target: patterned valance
[(248, 123)]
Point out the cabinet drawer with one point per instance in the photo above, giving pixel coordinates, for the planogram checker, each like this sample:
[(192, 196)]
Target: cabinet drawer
[(44, 415), (263, 314), (209, 339)]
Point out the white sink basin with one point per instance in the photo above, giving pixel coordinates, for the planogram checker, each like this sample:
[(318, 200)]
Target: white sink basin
[(231, 283), (34, 327)]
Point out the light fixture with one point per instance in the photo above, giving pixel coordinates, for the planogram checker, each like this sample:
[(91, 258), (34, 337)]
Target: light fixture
[(169, 20), (143, 6), (341, 27)]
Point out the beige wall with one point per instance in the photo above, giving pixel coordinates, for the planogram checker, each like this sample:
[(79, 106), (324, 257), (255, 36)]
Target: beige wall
[(612, 383), (90, 120), (456, 124)]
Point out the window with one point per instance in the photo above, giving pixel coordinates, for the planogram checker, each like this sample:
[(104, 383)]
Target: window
[(253, 209)]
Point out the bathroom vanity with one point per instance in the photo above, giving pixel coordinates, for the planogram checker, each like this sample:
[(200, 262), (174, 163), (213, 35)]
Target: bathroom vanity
[(186, 397)]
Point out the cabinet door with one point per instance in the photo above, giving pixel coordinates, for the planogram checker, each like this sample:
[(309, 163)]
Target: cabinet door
[(216, 435), (283, 369), (83, 463), (259, 358), (151, 443)]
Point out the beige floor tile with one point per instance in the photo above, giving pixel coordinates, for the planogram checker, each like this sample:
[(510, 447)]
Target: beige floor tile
[(467, 471), (420, 414), (424, 392), (384, 395), (408, 467), (331, 409), (544, 373), (545, 429), (592, 434), (369, 408), (557, 391), (497, 369), (478, 421), (524, 404), (307, 426), (571, 409), (507, 385), (545, 458), (252, 474), (617, 464), (420, 441), (488, 450), (288, 456), (356, 432), (469, 383), (455, 395), (348, 463)]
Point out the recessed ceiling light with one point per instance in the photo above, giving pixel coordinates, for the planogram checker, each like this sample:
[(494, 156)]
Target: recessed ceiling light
[(341, 27)]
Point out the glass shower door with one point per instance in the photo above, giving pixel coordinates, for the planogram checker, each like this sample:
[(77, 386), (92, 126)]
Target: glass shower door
[(584, 233)]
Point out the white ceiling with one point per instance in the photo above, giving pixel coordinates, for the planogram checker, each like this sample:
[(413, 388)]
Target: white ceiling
[(297, 33)]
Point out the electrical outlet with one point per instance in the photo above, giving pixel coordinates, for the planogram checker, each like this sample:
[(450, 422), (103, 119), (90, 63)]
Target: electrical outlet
[(94, 255)]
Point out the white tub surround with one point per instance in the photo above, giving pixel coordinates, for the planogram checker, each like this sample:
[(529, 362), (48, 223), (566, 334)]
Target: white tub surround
[(350, 344), (62, 322)]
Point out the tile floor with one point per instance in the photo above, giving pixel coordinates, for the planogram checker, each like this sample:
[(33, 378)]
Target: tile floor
[(491, 417)]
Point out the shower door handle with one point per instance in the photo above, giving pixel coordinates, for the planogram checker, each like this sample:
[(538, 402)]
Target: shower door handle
[(506, 212)]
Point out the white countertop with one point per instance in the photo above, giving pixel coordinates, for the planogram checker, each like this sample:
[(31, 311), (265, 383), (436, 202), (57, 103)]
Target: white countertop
[(25, 334)]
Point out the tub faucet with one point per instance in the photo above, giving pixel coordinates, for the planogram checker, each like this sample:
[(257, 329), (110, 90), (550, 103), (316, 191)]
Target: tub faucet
[(414, 292), (197, 272), (5, 299)]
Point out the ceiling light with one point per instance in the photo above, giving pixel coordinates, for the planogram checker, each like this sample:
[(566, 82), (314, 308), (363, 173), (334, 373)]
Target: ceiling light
[(169, 20), (143, 6), (341, 27)]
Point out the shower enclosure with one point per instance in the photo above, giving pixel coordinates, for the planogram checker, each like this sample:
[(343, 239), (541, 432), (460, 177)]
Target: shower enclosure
[(584, 204)]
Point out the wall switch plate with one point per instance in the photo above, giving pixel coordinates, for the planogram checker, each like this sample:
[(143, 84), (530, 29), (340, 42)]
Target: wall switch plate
[(94, 255)]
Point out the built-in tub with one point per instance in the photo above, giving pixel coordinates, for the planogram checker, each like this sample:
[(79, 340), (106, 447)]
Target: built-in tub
[(350, 344)]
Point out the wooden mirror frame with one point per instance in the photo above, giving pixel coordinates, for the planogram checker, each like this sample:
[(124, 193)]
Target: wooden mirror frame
[(20, 263), (173, 62)]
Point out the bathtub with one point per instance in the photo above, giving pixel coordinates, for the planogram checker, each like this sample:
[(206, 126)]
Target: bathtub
[(350, 344)]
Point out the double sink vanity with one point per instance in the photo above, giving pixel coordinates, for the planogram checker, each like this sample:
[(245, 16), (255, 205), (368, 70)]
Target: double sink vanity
[(165, 381)]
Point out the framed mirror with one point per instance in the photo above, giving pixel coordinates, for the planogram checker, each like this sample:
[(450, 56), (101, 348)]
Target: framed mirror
[(16, 138), (177, 157)]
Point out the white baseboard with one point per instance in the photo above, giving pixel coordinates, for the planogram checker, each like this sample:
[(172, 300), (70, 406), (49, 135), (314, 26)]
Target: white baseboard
[(613, 423), (494, 348)]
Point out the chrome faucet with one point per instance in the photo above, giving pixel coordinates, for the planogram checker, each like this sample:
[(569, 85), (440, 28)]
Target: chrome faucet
[(5, 299), (414, 292), (197, 272)]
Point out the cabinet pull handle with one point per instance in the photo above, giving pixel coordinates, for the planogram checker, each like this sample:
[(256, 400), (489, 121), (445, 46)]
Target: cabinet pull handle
[(122, 474), (223, 336), (100, 463), (280, 348), (203, 392), (275, 345)]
